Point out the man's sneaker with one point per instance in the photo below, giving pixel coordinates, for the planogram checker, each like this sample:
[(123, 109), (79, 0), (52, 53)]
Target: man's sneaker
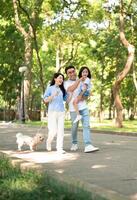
[(77, 118), (48, 146), (90, 148), (74, 147), (61, 151)]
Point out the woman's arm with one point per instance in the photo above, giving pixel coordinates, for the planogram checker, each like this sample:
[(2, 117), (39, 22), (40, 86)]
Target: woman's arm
[(48, 96), (48, 99)]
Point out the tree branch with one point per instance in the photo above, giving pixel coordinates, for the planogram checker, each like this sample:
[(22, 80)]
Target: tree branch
[(17, 20)]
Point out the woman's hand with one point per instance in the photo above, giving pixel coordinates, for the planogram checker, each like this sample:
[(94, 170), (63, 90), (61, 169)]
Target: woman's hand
[(48, 99)]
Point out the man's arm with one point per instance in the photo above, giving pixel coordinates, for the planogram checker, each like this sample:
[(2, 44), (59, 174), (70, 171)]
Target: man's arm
[(74, 86)]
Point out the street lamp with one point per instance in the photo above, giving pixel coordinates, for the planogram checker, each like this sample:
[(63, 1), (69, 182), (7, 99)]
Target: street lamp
[(22, 70)]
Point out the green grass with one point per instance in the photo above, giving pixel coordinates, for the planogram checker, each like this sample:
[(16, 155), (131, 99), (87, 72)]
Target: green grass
[(106, 125), (16, 184)]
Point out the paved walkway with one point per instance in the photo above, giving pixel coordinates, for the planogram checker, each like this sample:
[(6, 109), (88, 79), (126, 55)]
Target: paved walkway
[(110, 172)]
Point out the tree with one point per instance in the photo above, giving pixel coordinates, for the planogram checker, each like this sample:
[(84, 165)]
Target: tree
[(11, 45), (124, 72), (28, 32)]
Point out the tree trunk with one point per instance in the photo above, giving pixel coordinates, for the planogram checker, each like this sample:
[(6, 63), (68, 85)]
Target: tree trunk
[(101, 113), (27, 75), (32, 30), (27, 55), (122, 74), (134, 77), (110, 105), (58, 59)]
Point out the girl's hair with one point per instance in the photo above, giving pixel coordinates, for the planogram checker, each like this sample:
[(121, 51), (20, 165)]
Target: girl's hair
[(62, 85), (81, 70)]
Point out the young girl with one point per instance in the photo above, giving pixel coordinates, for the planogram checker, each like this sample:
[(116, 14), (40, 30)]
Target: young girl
[(55, 94), (84, 89)]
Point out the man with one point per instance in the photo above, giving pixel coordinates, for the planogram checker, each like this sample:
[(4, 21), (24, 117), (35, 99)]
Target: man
[(72, 87)]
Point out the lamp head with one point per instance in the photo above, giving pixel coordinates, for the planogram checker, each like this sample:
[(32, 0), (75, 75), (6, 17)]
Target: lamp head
[(23, 68)]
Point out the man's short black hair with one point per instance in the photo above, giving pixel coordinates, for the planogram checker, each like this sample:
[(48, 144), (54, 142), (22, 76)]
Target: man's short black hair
[(69, 67)]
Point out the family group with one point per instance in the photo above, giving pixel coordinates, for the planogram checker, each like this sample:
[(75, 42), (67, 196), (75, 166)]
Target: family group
[(75, 92)]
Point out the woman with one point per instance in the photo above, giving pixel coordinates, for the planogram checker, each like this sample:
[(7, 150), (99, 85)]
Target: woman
[(54, 95)]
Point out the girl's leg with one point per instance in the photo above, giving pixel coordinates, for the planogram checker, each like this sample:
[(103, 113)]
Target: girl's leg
[(52, 128), (75, 104)]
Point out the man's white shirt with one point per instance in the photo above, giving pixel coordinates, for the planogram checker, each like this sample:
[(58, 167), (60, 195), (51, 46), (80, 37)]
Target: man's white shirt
[(82, 104)]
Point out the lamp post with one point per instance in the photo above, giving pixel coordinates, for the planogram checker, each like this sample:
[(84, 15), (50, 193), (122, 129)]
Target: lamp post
[(22, 70)]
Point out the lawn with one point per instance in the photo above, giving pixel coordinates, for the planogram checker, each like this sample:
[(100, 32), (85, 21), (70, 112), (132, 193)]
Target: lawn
[(106, 125)]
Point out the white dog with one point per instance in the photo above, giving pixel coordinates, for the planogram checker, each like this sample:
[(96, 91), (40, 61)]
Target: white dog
[(32, 142)]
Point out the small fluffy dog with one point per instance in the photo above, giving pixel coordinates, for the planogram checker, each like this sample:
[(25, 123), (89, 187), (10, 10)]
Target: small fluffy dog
[(32, 142)]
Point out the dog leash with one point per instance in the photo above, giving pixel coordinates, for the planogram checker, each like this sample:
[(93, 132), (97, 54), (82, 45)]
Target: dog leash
[(41, 126)]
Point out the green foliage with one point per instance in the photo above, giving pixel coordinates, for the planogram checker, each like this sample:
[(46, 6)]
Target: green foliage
[(10, 58), (85, 33)]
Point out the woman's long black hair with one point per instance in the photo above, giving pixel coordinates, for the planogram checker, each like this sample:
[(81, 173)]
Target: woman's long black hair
[(81, 70), (62, 85)]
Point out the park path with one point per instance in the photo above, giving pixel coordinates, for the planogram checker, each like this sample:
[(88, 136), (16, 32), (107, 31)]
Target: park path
[(110, 172)]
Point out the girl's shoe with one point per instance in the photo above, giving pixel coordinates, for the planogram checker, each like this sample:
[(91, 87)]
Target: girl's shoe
[(77, 118)]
